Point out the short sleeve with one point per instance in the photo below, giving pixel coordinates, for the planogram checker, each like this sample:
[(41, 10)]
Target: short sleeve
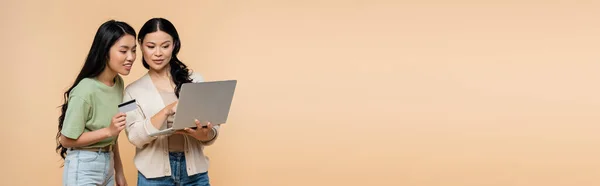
[(75, 117)]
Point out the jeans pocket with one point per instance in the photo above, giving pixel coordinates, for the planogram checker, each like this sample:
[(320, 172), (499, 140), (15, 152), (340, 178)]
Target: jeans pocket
[(92, 169), (86, 157)]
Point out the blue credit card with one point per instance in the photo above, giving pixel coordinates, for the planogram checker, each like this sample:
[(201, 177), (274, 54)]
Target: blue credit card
[(127, 106)]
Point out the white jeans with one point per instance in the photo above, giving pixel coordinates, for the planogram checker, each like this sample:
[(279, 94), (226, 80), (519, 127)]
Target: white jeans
[(88, 168)]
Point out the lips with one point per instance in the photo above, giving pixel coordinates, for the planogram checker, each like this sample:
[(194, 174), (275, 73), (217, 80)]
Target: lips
[(128, 66), (158, 61)]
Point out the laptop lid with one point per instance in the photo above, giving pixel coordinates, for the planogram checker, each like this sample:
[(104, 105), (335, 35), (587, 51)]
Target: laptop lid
[(206, 101)]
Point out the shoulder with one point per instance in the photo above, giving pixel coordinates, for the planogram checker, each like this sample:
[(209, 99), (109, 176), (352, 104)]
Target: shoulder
[(196, 77), (84, 89)]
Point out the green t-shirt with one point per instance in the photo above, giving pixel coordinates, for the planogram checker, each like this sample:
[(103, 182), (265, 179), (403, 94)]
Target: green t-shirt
[(91, 106)]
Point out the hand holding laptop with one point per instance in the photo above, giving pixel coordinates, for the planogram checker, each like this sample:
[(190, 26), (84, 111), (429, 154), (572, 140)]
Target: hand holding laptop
[(202, 133)]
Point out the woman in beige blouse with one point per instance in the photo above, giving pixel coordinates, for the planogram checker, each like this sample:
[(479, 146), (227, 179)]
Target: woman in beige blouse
[(176, 159)]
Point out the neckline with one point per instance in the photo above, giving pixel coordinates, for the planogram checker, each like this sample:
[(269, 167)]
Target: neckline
[(105, 86)]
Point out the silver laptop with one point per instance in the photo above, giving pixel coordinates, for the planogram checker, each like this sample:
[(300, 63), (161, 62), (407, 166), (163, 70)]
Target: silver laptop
[(205, 101)]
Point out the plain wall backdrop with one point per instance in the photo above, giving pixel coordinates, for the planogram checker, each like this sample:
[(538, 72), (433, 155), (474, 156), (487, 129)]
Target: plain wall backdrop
[(340, 92)]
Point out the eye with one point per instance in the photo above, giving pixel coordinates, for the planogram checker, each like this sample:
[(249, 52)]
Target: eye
[(167, 46), (150, 47), (123, 52)]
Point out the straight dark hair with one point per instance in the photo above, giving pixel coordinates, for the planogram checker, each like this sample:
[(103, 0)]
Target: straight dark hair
[(179, 72), (97, 59)]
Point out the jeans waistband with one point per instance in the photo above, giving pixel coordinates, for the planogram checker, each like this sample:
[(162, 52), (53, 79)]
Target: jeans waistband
[(176, 154)]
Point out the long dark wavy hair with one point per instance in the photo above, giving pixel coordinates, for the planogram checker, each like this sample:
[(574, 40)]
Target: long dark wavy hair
[(97, 60), (179, 72)]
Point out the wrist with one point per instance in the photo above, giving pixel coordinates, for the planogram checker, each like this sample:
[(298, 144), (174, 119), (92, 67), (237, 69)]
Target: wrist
[(107, 133), (119, 173), (210, 136)]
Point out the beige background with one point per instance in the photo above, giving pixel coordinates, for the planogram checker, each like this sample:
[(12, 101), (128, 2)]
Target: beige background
[(421, 93)]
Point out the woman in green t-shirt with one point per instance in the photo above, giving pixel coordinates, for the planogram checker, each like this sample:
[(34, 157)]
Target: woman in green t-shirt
[(90, 120)]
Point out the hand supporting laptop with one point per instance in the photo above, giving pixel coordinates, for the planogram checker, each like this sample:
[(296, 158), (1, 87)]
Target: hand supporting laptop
[(201, 133)]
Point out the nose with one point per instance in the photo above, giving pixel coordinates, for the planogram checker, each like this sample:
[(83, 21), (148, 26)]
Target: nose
[(130, 57), (158, 52)]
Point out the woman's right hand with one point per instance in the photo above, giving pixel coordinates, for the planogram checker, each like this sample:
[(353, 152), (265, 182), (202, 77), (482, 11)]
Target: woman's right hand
[(159, 118), (170, 109), (117, 124)]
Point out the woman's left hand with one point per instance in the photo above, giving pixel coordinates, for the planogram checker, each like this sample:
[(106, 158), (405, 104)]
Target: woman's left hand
[(120, 179), (201, 134)]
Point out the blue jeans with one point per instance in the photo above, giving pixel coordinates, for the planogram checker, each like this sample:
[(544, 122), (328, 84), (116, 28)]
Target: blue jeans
[(88, 168), (178, 176)]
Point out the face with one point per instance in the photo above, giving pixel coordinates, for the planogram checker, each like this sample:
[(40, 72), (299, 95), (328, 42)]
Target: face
[(157, 48), (122, 55)]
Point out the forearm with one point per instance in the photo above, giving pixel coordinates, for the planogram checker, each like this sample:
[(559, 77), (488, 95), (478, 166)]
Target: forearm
[(117, 156), (159, 119), (138, 132), (87, 138)]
